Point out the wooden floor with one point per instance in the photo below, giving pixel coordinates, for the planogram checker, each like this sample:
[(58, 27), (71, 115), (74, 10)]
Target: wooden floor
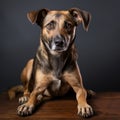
[(106, 107)]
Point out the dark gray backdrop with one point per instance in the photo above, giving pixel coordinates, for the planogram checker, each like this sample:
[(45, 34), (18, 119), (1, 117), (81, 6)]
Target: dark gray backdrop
[(99, 48)]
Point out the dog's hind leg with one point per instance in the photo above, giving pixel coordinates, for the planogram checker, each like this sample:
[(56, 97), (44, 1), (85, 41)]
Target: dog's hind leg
[(90, 93), (25, 77), (44, 97)]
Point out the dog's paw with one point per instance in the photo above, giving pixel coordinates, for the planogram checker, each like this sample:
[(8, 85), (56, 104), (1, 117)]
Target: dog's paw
[(90, 93), (85, 111), (39, 98), (25, 109), (23, 100)]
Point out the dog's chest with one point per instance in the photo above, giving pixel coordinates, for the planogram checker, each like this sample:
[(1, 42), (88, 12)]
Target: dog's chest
[(58, 87)]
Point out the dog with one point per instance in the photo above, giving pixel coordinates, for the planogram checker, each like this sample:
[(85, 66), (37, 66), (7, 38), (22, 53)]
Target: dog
[(54, 69)]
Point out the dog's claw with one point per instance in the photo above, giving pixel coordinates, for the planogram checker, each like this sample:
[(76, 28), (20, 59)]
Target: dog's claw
[(25, 110), (85, 111), (23, 100)]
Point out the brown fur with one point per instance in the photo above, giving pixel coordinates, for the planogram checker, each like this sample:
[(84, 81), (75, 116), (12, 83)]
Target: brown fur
[(53, 71)]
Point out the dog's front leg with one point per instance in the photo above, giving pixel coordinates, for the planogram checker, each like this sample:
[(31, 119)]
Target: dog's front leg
[(75, 80), (41, 83)]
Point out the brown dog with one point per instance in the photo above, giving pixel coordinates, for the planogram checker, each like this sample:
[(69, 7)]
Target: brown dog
[(54, 69)]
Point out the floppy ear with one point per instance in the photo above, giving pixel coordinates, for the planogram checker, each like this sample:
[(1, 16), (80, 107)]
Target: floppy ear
[(81, 16), (37, 16)]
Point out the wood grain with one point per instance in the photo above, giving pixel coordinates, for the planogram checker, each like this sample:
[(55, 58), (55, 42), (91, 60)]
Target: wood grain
[(106, 106)]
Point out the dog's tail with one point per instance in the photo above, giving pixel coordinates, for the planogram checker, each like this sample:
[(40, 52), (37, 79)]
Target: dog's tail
[(90, 93), (14, 90)]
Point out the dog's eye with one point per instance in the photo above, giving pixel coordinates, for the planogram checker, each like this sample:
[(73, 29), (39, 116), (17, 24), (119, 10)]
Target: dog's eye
[(68, 26), (51, 25)]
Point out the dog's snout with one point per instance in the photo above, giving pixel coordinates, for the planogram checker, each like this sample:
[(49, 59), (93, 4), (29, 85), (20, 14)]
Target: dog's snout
[(59, 41)]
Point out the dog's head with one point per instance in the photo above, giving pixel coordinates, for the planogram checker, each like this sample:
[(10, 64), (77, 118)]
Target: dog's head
[(58, 27)]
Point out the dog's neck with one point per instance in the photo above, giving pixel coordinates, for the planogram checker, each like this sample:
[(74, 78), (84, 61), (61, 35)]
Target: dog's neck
[(57, 62)]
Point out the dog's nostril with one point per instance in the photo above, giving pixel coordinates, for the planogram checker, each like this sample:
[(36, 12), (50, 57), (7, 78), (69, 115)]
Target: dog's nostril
[(59, 42)]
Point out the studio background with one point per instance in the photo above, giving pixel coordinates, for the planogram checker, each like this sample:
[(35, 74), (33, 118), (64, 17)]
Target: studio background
[(98, 49)]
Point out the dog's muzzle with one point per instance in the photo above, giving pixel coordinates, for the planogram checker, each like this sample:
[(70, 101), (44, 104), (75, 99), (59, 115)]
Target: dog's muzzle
[(59, 44)]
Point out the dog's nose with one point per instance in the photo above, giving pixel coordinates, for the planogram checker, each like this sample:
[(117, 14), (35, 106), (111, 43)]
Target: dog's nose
[(59, 42)]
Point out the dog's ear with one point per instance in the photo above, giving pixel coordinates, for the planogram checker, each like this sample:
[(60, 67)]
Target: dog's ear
[(81, 16), (37, 16)]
